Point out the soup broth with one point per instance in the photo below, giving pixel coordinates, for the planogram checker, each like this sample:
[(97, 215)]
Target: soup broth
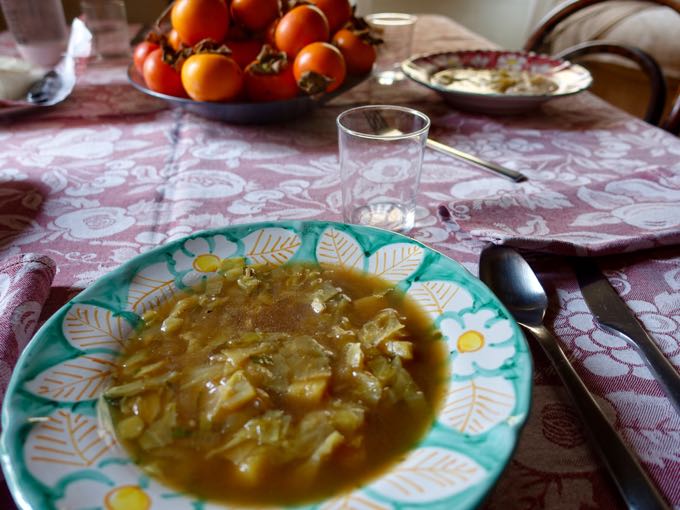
[(277, 385)]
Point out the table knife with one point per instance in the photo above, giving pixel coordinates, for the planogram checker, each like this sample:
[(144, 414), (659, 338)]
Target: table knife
[(613, 315)]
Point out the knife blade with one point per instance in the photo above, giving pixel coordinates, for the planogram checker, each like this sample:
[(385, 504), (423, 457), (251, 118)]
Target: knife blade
[(612, 313)]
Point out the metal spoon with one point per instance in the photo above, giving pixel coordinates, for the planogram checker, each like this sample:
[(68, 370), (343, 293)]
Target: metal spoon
[(380, 126), (511, 278)]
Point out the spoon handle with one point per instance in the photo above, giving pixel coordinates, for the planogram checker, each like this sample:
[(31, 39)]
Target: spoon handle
[(633, 483), (450, 151)]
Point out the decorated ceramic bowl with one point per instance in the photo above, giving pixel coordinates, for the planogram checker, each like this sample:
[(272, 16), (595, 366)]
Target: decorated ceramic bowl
[(565, 78), (54, 454), (243, 112)]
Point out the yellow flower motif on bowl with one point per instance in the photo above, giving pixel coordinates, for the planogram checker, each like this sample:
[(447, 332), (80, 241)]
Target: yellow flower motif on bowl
[(206, 263), (470, 341), (478, 340), (127, 497), (200, 257)]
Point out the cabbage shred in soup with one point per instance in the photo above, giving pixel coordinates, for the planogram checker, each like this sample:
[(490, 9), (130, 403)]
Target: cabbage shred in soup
[(277, 385)]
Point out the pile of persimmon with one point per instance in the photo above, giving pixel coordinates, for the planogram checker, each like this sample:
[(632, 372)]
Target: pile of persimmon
[(255, 50)]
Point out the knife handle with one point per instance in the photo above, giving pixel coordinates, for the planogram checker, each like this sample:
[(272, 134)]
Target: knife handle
[(633, 483), (664, 372), (612, 313)]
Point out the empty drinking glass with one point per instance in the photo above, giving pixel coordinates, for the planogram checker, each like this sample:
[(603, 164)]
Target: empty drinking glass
[(381, 155), (107, 21), (39, 29), (396, 31)]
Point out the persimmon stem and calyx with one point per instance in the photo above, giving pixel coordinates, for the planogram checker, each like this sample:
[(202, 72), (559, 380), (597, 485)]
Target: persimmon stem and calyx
[(312, 82), (270, 61)]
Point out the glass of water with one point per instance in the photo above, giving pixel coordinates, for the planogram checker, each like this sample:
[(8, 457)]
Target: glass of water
[(107, 21), (381, 155)]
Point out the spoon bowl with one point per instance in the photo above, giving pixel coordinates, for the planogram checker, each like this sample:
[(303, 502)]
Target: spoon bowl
[(517, 285)]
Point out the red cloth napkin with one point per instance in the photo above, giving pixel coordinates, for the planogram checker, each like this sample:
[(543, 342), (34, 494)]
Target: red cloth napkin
[(25, 282)]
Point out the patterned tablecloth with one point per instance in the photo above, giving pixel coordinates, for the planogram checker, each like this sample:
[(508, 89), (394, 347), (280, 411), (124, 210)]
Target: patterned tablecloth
[(111, 173)]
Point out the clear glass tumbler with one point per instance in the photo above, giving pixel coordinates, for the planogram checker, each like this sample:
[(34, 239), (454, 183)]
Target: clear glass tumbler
[(381, 156), (396, 31), (39, 29), (107, 21)]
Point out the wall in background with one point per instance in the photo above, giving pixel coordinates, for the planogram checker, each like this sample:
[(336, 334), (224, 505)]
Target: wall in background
[(502, 21), (505, 22)]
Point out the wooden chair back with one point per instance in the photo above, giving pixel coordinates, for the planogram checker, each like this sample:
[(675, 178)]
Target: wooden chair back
[(672, 122), (566, 9), (646, 62)]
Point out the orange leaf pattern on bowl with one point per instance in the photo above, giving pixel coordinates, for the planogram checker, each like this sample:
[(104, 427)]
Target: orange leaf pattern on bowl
[(429, 474), (437, 297), (76, 380), (395, 262), (88, 327), (150, 288), (476, 405), (64, 442), (338, 248), (271, 246)]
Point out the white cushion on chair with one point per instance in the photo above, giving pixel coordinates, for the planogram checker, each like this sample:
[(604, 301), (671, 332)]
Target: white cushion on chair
[(650, 27)]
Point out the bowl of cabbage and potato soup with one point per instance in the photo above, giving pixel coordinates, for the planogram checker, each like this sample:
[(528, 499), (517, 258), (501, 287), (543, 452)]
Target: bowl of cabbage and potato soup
[(279, 364)]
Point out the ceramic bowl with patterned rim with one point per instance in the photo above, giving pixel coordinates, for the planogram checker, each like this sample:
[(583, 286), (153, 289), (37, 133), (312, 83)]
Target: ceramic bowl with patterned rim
[(568, 78), (55, 455), (234, 112)]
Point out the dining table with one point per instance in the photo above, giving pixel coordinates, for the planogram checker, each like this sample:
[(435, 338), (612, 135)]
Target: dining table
[(110, 173)]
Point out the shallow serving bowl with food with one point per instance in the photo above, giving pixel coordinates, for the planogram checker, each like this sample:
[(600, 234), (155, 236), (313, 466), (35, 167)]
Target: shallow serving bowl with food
[(496, 82), (279, 364), (25, 88), (235, 112)]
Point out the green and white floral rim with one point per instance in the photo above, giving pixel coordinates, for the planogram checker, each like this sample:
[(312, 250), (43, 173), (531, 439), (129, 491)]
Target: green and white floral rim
[(54, 455)]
